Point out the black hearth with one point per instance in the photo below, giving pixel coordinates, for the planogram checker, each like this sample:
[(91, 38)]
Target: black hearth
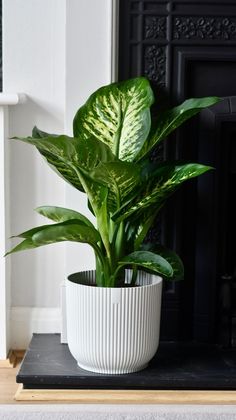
[(49, 365)]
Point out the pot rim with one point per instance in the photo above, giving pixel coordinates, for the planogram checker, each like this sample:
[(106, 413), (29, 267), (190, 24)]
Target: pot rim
[(158, 280)]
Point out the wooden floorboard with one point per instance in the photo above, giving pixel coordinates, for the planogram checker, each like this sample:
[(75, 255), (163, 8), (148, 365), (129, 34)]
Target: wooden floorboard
[(10, 362), (126, 396), (8, 385)]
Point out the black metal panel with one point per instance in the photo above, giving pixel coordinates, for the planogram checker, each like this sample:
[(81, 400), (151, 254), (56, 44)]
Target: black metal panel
[(187, 48)]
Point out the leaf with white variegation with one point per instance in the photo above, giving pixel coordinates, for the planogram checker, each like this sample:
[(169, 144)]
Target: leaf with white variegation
[(170, 177), (61, 214), (69, 155), (119, 115), (139, 226), (70, 230), (121, 178), (168, 121), (39, 134), (150, 261), (170, 256), (57, 166), (29, 233)]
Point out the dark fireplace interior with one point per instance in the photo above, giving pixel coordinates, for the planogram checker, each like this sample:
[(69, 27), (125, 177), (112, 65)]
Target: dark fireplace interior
[(188, 49)]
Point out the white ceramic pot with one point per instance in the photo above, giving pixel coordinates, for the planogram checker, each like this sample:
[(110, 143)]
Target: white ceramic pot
[(113, 330)]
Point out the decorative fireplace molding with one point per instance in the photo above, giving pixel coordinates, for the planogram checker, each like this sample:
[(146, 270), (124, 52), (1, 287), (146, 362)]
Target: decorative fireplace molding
[(186, 49), (6, 100)]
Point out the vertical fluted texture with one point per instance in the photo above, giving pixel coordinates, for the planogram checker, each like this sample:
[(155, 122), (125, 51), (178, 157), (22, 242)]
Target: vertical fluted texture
[(113, 330)]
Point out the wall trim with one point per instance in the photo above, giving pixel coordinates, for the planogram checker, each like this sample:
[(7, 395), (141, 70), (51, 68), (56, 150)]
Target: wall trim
[(24, 321), (6, 99)]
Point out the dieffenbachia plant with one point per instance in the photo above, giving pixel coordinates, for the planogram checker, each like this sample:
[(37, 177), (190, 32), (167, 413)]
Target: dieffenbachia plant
[(108, 159)]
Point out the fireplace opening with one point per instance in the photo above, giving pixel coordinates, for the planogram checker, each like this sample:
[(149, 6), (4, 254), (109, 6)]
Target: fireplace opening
[(202, 229)]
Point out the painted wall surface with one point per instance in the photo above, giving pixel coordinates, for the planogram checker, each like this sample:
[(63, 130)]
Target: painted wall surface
[(88, 66), (57, 52), (34, 63)]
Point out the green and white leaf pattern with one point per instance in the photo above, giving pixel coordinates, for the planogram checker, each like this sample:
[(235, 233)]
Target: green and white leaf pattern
[(70, 230), (112, 131), (60, 214), (69, 155), (73, 231), (170, 256), (118, 115), (121, 178), (148, 260), (170, 120), (166, 182)]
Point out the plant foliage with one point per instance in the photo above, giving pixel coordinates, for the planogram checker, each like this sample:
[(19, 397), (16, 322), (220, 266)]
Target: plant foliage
[(109, 160)]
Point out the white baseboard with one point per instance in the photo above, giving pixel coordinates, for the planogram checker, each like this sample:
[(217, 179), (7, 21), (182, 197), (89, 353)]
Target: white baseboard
[(25, 321)]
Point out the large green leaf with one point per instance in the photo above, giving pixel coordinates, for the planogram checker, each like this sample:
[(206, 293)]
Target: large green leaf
[(28, 234), (150, 261), (168, 121), (39, 134), (24, 245), (70, 230), (139, 226), (57, 166), (170, 256), (121, 178), (119, 115), (71, 155), (60, 214), (167, 179), (73, 231)]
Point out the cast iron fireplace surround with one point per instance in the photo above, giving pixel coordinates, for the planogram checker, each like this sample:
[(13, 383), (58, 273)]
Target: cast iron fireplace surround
[(188, 49)]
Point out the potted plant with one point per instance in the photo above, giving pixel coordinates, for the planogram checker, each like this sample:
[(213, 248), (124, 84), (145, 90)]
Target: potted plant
[(113, 313)]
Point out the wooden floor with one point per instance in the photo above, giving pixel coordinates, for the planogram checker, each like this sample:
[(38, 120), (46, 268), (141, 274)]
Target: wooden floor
[(8, 385)]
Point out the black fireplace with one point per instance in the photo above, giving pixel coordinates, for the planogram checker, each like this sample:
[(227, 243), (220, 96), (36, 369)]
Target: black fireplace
[(188, 49)]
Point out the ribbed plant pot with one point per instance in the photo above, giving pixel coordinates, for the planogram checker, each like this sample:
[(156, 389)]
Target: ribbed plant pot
[(113, 330)]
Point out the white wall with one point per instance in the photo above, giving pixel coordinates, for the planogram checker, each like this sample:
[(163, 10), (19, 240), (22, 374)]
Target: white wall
[(57, 52), (88, 66), (34, 63)]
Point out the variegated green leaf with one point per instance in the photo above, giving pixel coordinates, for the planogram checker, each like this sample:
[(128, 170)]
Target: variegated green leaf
[(95, 191), (150, 261), (70, 155), (165, 183), (118, 115), (56, 165), (67, 231), (24, 245), (60, 214), (139, 226), (70, 230), (168, 121), (170, 256), (28, 234), (121, 178), (39, 134)]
